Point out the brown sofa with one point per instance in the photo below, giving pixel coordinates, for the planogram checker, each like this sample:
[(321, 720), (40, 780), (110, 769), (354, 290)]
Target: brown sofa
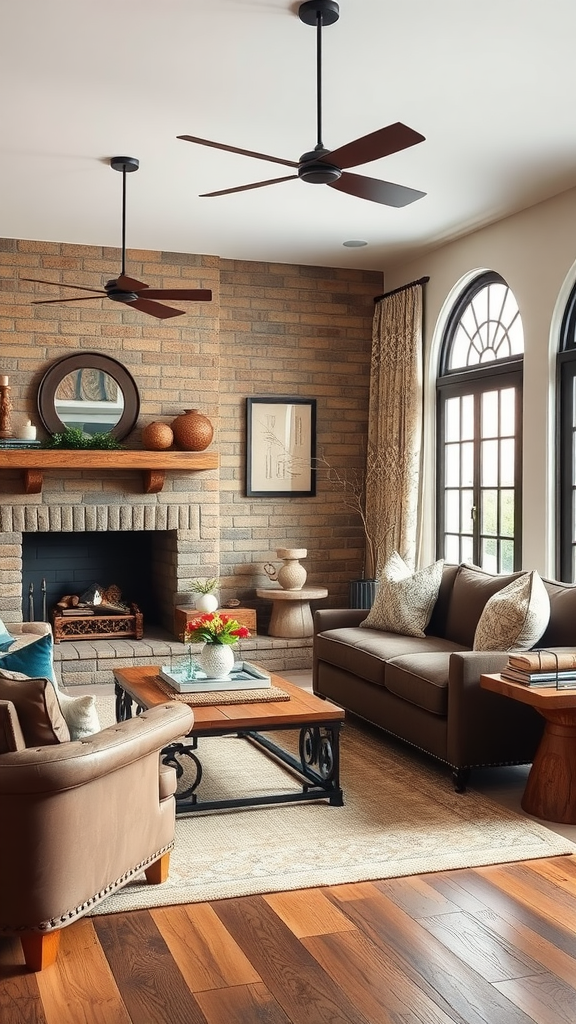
[(426, 691)]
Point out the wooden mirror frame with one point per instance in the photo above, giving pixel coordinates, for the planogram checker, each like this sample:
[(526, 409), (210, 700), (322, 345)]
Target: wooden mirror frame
[(60, 369)]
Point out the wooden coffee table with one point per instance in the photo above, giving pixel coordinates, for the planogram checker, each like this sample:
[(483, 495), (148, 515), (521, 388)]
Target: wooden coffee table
[(551, 787), (318, 722)]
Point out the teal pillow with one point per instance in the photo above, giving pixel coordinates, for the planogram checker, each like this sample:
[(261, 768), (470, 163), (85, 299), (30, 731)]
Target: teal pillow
[(6, 638), (33, 657)]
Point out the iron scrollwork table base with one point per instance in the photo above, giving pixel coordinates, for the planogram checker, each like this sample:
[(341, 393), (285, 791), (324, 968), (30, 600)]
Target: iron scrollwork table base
[(317, 765)]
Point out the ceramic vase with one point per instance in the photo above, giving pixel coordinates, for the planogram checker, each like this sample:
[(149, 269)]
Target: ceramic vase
[(206, 603), (192, 431), (216, 660)]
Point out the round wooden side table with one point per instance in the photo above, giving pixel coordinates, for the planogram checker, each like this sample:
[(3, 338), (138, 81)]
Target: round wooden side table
[(551, 786), (291, 614)]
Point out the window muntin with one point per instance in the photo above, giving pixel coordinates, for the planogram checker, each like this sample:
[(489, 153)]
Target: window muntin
[(488, 329)]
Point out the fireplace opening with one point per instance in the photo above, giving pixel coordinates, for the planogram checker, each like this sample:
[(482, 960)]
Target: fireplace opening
[(138, 562)]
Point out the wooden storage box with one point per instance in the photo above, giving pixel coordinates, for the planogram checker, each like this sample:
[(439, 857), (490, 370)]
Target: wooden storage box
[(183, 614)]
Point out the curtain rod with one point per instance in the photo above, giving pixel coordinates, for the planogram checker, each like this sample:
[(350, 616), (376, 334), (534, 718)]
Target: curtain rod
[(402, 288)]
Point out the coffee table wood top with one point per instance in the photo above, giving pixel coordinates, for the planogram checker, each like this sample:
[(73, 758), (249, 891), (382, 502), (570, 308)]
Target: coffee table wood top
[(302, 708)]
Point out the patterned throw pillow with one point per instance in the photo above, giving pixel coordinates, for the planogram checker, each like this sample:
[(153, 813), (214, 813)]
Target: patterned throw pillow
[(405, 599), (515, 617)]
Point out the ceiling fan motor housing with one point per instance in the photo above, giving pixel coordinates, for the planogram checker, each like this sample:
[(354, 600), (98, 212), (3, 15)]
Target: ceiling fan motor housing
[(117, 295), (313, 169)]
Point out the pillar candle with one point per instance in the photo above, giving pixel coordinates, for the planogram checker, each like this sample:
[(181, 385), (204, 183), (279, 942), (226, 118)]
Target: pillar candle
[(3, 381)]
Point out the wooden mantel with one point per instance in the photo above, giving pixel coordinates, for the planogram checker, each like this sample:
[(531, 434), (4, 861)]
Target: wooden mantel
[(34, 461)]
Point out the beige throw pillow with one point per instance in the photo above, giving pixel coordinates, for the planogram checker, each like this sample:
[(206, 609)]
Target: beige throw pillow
[(515, 617), (80, 714), (405, 599)]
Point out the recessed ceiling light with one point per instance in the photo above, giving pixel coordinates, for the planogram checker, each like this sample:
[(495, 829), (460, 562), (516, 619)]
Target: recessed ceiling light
[(354, 243)]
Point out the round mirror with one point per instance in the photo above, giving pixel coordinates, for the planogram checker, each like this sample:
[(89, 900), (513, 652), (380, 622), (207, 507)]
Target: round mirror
[(89, 391)]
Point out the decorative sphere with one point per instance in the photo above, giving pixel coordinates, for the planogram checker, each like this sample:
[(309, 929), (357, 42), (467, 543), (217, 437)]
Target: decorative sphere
[(157, 436)]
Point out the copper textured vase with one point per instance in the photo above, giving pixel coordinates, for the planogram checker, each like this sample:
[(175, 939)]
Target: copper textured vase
[(192, 430)]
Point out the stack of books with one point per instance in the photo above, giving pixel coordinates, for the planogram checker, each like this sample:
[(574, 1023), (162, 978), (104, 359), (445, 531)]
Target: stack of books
[(550, 667), (18, 442)]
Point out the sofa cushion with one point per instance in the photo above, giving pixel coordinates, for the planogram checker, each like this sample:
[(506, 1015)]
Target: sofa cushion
[(472, 589), (561, 629), (437, 624), (365, 653), (515, 617), (421, 679), (405, 599), (37, 707)]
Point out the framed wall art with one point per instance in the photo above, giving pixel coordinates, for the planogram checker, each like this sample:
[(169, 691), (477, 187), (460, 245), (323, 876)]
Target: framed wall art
[(280, 447)]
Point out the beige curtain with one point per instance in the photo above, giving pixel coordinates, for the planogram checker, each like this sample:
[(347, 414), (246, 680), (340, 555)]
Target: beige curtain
[(394, 429)]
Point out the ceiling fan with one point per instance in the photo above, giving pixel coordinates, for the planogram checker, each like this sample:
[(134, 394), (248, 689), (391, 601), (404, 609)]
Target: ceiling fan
[(323, 166), (126, 289)]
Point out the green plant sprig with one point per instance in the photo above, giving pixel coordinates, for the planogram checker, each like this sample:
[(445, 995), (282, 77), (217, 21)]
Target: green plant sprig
[(73, 438), (204, 586)]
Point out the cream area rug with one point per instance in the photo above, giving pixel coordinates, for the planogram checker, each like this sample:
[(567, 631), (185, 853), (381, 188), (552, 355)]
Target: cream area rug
[(401, 816)]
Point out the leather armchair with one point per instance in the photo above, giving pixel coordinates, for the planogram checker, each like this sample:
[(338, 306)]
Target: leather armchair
[(79, 820)]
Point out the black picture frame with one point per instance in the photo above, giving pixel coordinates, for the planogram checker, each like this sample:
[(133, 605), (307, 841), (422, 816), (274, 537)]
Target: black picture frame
[(280, 447)]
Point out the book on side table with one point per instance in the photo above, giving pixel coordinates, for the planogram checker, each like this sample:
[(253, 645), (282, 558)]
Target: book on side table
[(549, 667)]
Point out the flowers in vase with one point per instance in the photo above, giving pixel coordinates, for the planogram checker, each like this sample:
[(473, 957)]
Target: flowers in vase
[(214, 628)]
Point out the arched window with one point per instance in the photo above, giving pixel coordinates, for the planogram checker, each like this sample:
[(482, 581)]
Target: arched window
[(479, 428), (567, 447)]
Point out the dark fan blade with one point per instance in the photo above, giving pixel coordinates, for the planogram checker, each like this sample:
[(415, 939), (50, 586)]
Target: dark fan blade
[(384, 192), (384, 142), (84, 298), (234, 149), (129, 284), (184, 294), (154, 308), (58, 284), (244, 188)]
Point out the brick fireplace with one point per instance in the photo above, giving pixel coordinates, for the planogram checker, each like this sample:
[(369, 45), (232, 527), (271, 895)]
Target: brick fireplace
[(185, 545)]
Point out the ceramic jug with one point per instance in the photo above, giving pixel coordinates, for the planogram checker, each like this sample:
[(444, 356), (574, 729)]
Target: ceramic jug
[(291, 575)]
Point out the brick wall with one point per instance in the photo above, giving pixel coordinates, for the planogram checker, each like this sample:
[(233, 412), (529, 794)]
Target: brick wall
[(271, 329)]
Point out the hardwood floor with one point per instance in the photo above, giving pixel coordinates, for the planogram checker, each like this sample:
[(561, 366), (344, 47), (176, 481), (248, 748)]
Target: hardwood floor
[(494, 945)]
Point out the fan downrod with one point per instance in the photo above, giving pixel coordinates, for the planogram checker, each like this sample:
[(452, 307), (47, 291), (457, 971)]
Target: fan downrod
[(328, 10)]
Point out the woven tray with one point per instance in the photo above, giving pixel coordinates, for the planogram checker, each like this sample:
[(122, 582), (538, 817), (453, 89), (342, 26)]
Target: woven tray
[(223, 696)]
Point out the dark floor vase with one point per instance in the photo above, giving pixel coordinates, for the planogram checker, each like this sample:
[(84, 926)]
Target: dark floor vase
[(362, 593)]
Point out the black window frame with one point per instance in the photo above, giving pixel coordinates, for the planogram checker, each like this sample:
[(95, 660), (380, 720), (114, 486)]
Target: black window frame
[(566, 442), (475, 380)]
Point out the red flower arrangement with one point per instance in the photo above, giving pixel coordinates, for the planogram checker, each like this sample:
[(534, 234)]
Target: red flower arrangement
[(214, 628)]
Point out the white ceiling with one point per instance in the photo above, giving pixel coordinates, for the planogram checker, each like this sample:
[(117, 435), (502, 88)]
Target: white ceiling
[(491, 85)]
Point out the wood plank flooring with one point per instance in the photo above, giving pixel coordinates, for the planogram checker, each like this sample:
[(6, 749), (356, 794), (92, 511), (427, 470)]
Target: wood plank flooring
[(494, 945)]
